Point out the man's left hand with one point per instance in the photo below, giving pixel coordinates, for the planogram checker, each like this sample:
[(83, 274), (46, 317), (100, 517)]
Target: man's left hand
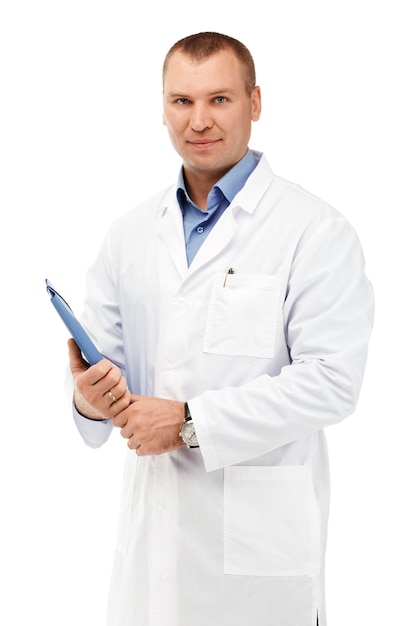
[(151, 425)]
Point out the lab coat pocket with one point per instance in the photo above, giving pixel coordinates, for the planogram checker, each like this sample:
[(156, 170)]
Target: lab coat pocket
[(271, 523), (242, 316)]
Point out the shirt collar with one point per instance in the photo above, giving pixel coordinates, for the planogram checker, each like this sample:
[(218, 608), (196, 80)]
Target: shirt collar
[(230, 184)]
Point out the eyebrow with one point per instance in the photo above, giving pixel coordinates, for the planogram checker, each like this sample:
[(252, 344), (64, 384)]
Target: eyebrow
[(216, 92), (223, 90)]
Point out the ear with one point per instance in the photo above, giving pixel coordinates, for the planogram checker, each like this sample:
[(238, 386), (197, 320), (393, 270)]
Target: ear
[(256, 104)]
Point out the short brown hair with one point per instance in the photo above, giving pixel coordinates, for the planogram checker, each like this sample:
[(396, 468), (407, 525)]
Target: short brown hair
[(202, 45)]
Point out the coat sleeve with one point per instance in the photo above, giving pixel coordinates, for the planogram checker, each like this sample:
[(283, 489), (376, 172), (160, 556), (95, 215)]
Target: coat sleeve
[(328, 316), (94, 433)]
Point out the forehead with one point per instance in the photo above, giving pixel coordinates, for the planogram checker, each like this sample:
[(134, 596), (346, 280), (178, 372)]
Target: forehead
[(221, 70)]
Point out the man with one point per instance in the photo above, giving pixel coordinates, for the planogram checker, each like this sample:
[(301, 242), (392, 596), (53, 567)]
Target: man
[(234, 315)]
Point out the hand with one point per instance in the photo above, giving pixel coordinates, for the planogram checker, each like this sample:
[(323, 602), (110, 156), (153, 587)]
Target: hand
[(151, 425), (100, 390)]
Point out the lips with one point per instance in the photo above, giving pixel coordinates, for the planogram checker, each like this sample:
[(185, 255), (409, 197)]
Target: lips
[(204, 143)]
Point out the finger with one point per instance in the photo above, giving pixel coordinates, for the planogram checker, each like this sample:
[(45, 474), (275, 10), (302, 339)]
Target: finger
[(133, 444), (115, 408), (111, 396), (104, 375), (110, 378), (117, 391), (125, 433), (95, 372), (120, 420), (77, 363)]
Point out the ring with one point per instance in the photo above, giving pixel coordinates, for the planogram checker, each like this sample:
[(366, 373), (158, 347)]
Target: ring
[(112, 398)]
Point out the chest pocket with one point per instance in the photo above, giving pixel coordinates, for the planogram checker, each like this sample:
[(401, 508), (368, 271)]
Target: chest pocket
[(243, 315)]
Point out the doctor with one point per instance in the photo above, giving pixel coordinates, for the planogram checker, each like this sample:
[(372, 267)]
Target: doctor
[(234, 315)]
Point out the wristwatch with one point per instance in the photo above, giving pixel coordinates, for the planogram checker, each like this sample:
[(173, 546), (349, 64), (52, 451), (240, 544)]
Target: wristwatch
[(187, 432)]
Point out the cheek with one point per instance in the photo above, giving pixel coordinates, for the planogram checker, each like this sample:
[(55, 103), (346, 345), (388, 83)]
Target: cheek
[(174, 124), (240, 133), (173, 135)]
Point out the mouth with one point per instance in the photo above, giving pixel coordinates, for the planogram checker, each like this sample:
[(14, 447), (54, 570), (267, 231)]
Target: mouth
[(203, 144)]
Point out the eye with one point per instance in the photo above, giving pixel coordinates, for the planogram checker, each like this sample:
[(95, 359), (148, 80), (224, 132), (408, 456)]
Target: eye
[(221, 99), (182, 101)]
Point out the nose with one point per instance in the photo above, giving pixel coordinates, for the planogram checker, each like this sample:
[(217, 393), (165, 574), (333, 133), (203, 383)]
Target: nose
[(201, 117)]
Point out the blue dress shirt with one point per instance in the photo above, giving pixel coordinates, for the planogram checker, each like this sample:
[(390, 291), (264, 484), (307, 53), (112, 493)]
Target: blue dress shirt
[(199, 223)]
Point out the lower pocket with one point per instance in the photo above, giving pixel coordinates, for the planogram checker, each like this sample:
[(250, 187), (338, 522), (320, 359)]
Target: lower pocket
[(271, 525)]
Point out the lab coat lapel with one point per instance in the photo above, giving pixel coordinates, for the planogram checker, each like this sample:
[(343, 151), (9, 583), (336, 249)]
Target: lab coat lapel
[(217, 240), (171, 228), (245, 202), (171, 232)]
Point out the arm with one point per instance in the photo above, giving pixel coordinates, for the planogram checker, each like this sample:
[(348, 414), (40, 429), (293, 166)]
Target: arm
[(327, 318)]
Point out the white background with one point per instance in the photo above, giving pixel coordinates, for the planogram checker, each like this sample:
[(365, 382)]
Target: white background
[(81, 143)]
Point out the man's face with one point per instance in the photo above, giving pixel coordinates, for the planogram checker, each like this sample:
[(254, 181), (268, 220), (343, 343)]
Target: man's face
[(208, 112)]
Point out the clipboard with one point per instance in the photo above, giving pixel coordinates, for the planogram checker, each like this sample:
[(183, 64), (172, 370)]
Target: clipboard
[(83, 341)]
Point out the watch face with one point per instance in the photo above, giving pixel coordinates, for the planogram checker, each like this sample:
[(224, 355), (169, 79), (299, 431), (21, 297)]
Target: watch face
[(188, 434)]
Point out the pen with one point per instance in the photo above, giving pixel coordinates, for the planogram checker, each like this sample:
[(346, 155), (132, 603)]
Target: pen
[(229, 271)]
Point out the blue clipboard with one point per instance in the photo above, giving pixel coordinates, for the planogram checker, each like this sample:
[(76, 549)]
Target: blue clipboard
[(83, 341)]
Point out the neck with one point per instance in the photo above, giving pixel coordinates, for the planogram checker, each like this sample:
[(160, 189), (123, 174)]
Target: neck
[(199, 186)]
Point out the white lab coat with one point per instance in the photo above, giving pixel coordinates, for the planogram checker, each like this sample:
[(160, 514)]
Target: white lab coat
[(232, 533)]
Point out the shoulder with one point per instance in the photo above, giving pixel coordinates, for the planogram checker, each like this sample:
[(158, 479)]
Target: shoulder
[(139, 219), (288, 200), (146, 211), (298, 217)]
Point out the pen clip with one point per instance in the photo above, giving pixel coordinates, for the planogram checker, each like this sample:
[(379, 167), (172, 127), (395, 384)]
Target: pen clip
[(229, 271)]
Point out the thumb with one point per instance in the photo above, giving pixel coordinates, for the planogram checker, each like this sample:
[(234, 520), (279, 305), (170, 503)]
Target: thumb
[(77, 363)]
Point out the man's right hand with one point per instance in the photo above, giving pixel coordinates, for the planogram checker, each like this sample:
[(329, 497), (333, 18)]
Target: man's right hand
[(100, 390)]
